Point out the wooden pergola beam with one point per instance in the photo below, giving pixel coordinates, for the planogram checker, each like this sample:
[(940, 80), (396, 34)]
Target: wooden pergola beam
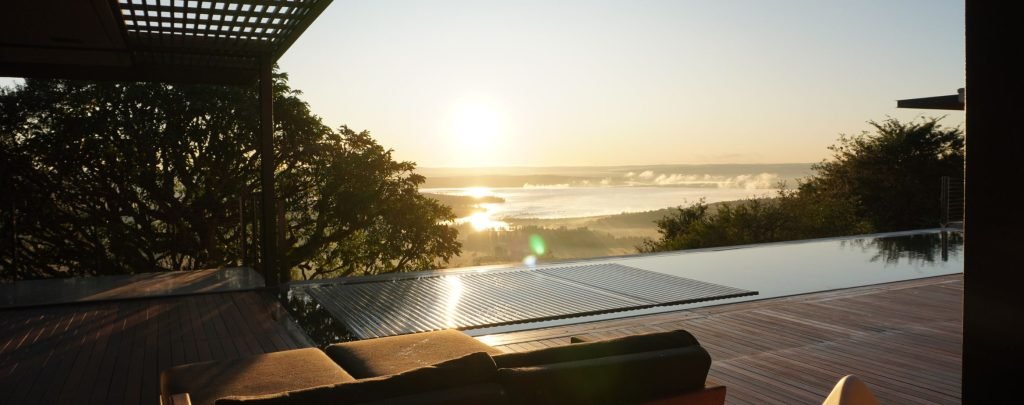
[(951, 102)]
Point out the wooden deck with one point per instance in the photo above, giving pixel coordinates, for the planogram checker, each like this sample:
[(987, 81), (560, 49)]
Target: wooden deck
[(112, 352), (32, 293), (903, 339)]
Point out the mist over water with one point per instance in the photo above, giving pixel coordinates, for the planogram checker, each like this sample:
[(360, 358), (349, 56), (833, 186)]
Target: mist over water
[(576, 192), (555, 201)]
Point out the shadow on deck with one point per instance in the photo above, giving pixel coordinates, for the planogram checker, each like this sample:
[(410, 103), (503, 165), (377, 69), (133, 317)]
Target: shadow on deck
[(112, 352), (28, 293)]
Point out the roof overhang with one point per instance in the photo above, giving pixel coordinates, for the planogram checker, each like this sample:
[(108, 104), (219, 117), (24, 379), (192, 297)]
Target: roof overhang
[(951, 102), (150, 40)]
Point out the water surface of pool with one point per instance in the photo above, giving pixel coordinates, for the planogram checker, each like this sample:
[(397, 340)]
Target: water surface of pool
[(774, 269)]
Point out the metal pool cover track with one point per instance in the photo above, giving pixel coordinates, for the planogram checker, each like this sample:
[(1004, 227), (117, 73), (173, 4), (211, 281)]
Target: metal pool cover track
[(476, 300)]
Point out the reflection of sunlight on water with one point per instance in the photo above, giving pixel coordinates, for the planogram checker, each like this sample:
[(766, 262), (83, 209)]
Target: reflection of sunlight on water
[(477, 192), (482, 221), (454, 296)]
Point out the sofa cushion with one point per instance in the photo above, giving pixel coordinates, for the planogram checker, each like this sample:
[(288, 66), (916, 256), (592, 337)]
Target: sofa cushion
[(614, 379), (601, 348), (463, 372), (262, 374), (395, 354), (485, 393)]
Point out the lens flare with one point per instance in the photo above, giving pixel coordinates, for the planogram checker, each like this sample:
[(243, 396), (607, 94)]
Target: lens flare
[(530, 260), (537, 245)]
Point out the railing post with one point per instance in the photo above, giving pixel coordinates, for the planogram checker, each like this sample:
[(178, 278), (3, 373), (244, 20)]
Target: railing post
[(243, 235), (271, 273), (944, 201)]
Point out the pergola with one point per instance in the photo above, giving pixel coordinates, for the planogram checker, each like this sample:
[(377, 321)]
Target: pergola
[(174, 41)]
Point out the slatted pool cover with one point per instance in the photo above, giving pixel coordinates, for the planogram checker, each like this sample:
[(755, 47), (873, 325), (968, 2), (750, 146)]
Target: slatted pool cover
[(475, 300)]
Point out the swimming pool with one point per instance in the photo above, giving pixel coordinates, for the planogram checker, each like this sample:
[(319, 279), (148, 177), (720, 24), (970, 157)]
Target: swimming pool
[(773, 269)]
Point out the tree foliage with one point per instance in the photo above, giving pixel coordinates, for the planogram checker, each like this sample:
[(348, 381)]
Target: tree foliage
[(892, 173), (114, 178), (788, 216), (884, 180)]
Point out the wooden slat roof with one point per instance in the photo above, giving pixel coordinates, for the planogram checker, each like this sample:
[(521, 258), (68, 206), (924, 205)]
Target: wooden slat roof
[(219, 41)]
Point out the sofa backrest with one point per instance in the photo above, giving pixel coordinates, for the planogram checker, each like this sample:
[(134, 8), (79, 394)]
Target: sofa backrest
[(628, 369), (602, 348), (268, 373), (468, 379), (625, 378)]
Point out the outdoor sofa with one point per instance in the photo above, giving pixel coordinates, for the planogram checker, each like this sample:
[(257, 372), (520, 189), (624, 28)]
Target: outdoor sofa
[(450, 367)]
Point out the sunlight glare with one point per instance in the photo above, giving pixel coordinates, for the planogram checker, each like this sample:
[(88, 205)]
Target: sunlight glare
[(476, 123), (482, 221), (476, 132), (478, 192), (455, 288)]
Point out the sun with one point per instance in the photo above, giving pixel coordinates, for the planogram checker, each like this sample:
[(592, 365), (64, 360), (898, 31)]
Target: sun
[(476, 128)]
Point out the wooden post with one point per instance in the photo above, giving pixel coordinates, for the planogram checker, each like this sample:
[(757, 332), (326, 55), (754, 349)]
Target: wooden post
[(993, 354), (271, 273), (243, 253)]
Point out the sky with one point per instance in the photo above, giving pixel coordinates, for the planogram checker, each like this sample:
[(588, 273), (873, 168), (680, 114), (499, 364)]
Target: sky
[(559, 83), (629, 82)]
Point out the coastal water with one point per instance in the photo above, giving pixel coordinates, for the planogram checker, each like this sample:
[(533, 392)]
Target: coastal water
[(574, 202)]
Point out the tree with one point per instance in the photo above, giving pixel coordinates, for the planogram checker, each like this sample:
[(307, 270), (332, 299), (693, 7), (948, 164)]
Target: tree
[(788, 216), (894, 173), (882, 181), (114, 178)]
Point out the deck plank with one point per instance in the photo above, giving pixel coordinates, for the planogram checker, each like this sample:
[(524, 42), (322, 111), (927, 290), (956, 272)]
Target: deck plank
[(112, 352), (903, 339)]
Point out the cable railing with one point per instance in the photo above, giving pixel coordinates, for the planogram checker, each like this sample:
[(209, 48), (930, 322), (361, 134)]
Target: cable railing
[(951, 202), (248, 229)]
